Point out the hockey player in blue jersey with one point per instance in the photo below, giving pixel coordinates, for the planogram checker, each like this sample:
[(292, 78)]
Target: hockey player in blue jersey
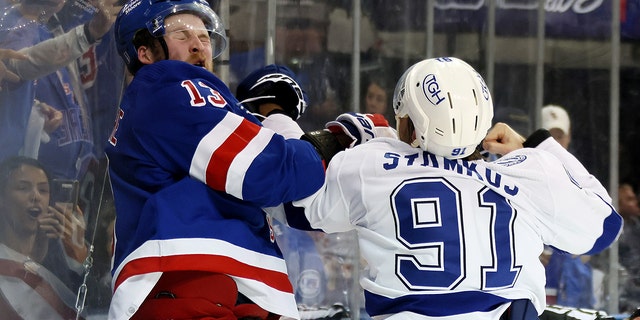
[(447, 235), (190, 170)]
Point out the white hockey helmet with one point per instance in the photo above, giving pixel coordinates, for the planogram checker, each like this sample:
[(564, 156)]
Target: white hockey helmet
[(449, 104)]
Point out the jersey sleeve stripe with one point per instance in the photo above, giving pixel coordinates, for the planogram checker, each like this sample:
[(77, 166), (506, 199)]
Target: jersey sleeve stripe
[(221, 159), (432, 304), (219, 149), (612, 226), (209, 144), (244, 159)]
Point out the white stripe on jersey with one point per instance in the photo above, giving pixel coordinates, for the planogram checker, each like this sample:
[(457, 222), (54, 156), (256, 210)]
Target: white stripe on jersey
[(215, 139), (157, 248), (210, 143), (273, 300), (242, 161), (125, 299), (130, 294)]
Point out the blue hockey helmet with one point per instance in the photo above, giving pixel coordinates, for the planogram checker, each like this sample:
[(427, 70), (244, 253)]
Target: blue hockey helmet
[(138, 15)]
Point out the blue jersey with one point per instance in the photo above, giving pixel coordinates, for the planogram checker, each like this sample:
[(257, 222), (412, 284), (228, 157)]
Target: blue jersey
[(70, 148), (16, 99), (575, 286), (190, 170), (102, 75)]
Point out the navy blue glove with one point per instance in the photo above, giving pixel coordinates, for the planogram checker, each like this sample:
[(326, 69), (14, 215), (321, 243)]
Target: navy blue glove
[(275, 84)]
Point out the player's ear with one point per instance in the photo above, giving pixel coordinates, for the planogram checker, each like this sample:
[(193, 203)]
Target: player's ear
[(145, 55)]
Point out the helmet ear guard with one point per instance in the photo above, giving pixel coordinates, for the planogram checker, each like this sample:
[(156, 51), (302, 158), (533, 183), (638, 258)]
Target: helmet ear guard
[(448, 103)]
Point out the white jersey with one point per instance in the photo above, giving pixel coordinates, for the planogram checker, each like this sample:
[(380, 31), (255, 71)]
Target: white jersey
[(451, 239)]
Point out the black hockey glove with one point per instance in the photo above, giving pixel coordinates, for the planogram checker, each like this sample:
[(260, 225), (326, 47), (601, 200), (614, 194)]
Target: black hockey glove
[(272, 84)]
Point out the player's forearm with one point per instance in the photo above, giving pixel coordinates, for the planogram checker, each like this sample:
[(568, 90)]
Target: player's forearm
[(283, 125), (50, 55), (578, 172), (327, 209), (324, 214)]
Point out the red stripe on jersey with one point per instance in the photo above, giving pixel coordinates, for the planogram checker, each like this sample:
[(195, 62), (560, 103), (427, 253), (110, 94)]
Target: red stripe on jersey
[(205, 262), (222, 157)]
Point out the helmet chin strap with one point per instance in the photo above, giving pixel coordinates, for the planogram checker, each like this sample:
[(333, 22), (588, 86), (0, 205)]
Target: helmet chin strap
[(398, 123), (416, 142), (165, 49)]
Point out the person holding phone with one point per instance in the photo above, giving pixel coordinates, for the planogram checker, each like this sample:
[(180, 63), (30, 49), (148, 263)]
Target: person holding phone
[(28, 223), (64, 195)]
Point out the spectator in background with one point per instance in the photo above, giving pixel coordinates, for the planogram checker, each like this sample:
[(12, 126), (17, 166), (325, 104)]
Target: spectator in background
[(301, 43), (556, 120), (45, 56), (569, 277), (27, 222), (342, 262), (100, 71), (6, 74), (376, 96), (43, 120), (629, 246), (25, 27), (71, 149)]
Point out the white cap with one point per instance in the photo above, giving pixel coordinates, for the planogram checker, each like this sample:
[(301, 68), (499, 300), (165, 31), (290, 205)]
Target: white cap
[(555, 117)]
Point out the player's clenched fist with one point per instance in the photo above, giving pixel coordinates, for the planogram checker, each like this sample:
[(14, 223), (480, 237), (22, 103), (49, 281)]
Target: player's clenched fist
[(502, 139)]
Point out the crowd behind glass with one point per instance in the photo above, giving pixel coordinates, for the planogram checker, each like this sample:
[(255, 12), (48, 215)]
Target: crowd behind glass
[(69, 121)]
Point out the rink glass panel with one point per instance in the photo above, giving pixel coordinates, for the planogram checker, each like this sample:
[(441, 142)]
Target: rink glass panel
[(566, 53)]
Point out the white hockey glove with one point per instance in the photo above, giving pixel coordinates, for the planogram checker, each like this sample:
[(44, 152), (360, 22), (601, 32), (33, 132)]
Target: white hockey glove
[(361, 127)]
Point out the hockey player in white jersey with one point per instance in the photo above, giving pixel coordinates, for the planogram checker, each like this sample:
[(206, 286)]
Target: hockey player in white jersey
[(447, 235)]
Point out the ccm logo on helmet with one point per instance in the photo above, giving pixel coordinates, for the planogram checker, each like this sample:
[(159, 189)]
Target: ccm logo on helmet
[(130, 6), (431, 89)]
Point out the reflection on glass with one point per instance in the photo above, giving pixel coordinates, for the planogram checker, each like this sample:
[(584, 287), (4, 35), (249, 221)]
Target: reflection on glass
[(62, 114)]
